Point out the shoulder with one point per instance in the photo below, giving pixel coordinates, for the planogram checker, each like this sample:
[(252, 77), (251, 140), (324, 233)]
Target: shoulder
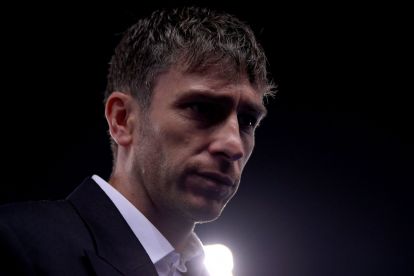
[(41, 228), (40, 221), (46, 236), (36, 211)]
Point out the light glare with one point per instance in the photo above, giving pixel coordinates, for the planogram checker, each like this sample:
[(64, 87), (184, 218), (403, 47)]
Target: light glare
[(218, 260)]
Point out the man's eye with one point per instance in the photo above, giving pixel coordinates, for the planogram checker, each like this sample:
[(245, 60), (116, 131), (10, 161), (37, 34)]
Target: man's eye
[(205, 112), (200, 107), (247, 121)]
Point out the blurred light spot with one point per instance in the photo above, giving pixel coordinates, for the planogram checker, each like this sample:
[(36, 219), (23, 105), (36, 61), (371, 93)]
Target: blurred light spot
[(218, 260)]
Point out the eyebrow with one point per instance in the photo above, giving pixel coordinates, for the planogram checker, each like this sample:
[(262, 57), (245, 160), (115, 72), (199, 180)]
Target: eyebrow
[(258, 109)]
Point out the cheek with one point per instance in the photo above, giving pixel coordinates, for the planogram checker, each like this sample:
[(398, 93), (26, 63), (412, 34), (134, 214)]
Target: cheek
[(175, 144), (249, 147), (179, 135)]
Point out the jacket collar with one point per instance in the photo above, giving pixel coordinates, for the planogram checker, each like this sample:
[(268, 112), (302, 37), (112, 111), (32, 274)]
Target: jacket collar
[(115, 243)]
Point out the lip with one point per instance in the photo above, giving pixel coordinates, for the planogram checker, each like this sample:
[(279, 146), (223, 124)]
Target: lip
[(218, 178)]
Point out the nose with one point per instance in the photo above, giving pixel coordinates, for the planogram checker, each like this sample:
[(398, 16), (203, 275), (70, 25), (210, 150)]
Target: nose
[(227, 141)]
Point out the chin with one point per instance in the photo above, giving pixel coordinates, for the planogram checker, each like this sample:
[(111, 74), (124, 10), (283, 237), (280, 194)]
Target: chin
[(205, 211), (205, 217)]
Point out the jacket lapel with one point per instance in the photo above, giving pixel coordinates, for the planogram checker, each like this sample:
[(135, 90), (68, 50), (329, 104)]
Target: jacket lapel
[(118, 251)]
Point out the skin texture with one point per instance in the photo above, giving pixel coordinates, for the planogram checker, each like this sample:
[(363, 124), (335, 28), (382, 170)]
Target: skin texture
[(180, 161)]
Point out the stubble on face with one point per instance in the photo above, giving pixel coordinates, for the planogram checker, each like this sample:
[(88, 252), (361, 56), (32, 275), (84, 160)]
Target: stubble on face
[(171, 155), (163, 181)]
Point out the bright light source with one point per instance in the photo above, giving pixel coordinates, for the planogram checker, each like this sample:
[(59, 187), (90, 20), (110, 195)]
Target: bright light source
[(218, 260)]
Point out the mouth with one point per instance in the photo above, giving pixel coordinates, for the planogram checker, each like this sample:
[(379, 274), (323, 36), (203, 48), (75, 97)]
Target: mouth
[(211, 185), (218, 178)]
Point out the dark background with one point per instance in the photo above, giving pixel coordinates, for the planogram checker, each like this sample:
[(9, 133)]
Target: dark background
[(328, 189)]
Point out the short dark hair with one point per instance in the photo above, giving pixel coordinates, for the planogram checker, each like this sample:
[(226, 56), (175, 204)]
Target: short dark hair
[(197, 39)]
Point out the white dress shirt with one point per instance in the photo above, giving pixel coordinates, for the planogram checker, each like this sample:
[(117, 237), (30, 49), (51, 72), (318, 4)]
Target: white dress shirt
[(162, 254)]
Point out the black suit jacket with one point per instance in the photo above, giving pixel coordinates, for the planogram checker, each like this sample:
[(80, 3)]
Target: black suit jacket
[(82, 235)]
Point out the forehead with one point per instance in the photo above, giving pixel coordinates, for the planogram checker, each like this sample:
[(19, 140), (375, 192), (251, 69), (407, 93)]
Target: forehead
[(175, 84)]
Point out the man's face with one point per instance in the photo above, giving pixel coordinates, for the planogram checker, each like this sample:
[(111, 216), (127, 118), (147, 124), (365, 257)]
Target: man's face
[(194, 142)]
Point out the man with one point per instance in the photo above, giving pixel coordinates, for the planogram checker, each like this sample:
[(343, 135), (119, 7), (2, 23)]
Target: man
[(184, 96)]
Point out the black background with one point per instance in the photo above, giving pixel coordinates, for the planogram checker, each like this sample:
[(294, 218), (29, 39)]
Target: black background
[(328, 189)]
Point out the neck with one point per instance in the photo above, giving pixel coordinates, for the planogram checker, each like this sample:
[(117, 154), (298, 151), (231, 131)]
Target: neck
[(175, 229)]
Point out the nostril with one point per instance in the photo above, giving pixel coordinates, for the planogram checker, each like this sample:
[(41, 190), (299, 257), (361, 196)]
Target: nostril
[(230, 148), (234, 147), (236, 157)]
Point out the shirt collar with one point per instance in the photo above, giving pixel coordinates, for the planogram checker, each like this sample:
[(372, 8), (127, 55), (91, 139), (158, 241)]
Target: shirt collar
[(193, 248), (154, 243), (193, 251)]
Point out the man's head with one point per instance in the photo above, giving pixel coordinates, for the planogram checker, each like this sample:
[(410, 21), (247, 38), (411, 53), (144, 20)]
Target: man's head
[(195, 39), (185, 94)]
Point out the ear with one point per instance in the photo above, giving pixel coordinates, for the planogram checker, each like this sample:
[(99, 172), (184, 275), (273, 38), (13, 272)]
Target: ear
[(121, 115)]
